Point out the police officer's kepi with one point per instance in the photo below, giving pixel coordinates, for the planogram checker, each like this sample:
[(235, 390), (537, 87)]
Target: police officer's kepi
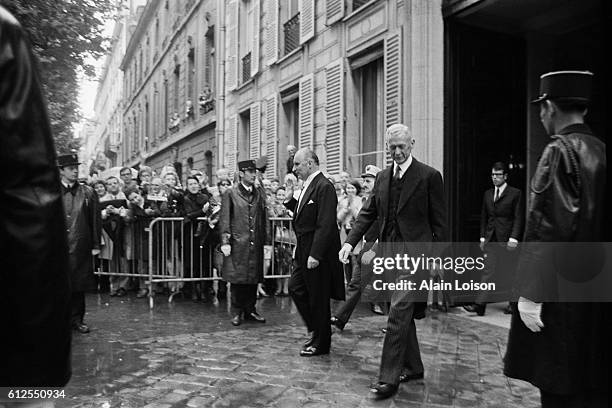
[(68, 160), (246, 165), (566, 85)]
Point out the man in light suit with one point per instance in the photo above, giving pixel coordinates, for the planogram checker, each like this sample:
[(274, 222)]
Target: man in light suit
[(317, 274), (408, 201), (501, 225)]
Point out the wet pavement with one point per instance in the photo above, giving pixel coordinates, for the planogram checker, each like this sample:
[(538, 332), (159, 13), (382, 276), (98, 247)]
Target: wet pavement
[(187, 354)]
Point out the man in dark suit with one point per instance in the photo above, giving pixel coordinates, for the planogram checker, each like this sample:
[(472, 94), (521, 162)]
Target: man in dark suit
[(408, 201), (317, 274), (501, 225)]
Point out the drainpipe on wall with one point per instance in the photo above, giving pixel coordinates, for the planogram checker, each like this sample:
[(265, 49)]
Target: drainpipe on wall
[(220, 49)]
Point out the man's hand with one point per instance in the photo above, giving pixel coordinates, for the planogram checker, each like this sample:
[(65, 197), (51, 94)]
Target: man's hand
[(205, 207), (149, 211), (482, 244), (95, 252), (531, 314), (344, 253), (226, 249), (367, 257), (312, 263), (511, 245)]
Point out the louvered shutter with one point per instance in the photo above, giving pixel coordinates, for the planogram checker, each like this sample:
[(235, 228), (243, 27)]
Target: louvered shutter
[(334, 112), (307, 20), (231, 144), (306, 111), (271, 31), (272, 136), (393, 82), (231, 55), (334, 11), (255, 50), (254, 139)]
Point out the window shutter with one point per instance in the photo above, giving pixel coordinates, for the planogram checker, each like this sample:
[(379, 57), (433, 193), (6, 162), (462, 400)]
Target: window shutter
[(306, 111), (393, 81), (272, 136), (307, 20), (231, 60), (255, 50), (334, 112), (254, 142), (271, 31), (231, 144), (334, 11)]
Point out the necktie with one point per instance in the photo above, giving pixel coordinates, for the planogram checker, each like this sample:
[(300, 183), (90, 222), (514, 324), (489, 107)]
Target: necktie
[(396, 176), (496, 194)]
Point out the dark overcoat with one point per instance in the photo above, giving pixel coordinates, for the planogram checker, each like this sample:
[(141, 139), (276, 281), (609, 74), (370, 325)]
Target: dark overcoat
[(567, 204), (83, 223), (34, 283), (244, 225)]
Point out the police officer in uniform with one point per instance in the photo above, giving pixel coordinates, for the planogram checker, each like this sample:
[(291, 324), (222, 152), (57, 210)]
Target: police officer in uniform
[(83, 230), (244, 231)]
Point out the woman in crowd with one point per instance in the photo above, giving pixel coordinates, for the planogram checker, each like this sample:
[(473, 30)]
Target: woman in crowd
[(283, 239), (347, 211), (196, 256), (145, 175)]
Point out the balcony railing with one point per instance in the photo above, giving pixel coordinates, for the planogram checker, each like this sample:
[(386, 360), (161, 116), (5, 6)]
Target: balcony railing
[(246, 68), (292, 33)]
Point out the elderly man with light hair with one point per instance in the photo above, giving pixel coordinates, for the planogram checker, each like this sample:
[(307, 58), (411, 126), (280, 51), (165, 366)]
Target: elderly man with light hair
[(408, 202)]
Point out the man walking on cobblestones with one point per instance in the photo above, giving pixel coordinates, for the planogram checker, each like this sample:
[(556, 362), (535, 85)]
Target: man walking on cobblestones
[(244, 231), (402, 193)]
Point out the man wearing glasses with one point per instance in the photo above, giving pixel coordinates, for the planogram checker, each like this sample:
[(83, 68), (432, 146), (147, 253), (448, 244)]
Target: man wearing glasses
[(501, 225)]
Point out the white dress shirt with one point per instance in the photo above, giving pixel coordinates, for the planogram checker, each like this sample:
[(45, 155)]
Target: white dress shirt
[(305, 186), (403, 167)]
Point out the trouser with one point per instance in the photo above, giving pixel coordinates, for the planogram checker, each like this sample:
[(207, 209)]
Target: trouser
[(77, 307), (354, 289), (499, 269), (116, 282), (310, 290), (584, 399), (400, 354), (243, 298)]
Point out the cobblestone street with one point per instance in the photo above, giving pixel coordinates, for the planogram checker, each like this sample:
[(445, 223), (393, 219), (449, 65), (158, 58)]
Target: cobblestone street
[(188, 354)]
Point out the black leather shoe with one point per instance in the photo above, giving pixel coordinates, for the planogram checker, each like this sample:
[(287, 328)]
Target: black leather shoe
[(383, 329), (410, 377), (508, 310), (479, 309), (311, 351), (334, 321), (237, 320), (256, 317), (80, 327), (121, 292), (383, 390)]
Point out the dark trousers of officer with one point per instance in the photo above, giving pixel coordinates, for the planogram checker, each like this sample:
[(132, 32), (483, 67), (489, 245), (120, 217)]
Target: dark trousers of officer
[(401, 353), (310, 290), (243, 298), (77, 306)]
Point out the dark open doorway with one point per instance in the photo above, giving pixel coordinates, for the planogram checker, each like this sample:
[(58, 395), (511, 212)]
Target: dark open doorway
[(486, 112)]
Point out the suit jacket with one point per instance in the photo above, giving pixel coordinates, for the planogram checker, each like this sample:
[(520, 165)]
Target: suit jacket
[(505, 217), (314, 223), (421, 209)]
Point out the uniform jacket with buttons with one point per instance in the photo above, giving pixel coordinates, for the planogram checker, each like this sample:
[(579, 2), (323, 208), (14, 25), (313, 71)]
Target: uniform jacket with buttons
[(244, 225)]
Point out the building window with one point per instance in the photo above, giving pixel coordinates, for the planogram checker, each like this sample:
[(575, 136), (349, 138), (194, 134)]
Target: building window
[(209, 58), (289, 125), (244, 133), (177, 79), (290, 19), (369, 90), (191, 87), (246, 27)]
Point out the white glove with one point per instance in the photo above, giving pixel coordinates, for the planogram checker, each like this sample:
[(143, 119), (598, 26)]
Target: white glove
[(531, 314), (226, 249), (344, 253)]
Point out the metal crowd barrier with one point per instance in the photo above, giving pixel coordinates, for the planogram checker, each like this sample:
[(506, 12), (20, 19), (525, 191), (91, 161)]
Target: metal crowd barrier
[(170, 251), (282, 249)]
